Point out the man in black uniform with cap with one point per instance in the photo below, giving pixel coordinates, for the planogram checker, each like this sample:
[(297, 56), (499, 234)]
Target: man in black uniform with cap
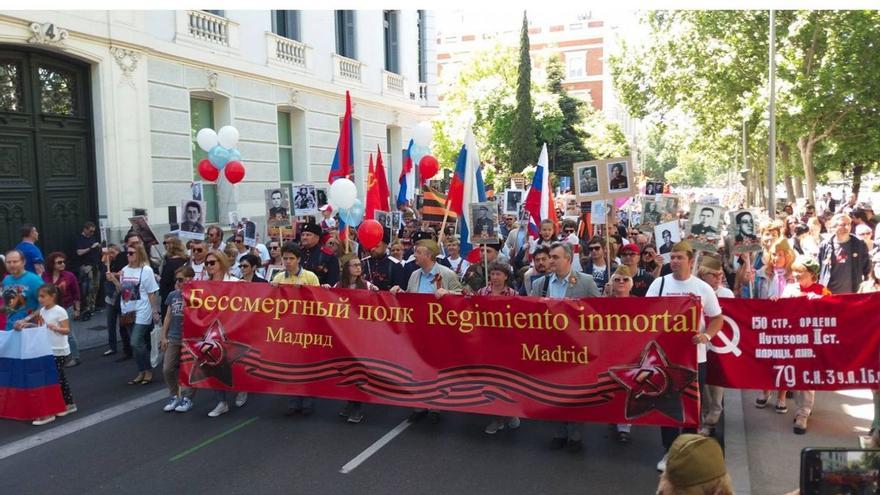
[(314, 259), (378, 267)]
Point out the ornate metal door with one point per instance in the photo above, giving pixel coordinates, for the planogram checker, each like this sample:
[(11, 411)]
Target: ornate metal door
[(47, 173)]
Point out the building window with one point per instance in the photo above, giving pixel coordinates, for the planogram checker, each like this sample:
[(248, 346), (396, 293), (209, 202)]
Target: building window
[(285, 149), (345, 34), (285, 23), (575, 64), (202, 116), (392, 58), (423, 44), (218, 13)]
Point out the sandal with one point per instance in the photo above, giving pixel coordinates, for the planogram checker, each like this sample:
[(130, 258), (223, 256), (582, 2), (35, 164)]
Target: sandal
[(148, 379), (136, 380)]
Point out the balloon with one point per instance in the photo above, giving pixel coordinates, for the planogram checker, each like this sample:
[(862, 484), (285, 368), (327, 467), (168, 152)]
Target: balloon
[(234, 155), (234, 172), (370, 233), (353, 216), (228, 137), (219, 156), (342, 194), (417, 152), (428, 167), (422, 134), (208, 171), (207, 139)]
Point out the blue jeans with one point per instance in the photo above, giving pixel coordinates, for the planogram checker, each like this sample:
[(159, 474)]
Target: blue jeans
[(112, 318), (71, 337), (139, 335)]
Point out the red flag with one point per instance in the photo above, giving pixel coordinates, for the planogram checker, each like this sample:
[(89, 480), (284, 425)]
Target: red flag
[(343, 160), (382, 180), (372, 193)]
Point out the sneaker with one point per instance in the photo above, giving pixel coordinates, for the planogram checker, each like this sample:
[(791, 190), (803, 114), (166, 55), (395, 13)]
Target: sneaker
[(356, 417), (494, 427), (706, 430), (346, 410), (800, 424), (623, 437), (513, 423), (661, 466), (71, 408), (172, 404), (240, 399), (185, 405), (761, 402), (72, 362), (221, 408), (781, 408), (43, 420), (109, 352)]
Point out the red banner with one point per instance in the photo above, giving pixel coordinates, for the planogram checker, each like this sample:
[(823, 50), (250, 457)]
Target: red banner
[(832, 343), (603, 360)]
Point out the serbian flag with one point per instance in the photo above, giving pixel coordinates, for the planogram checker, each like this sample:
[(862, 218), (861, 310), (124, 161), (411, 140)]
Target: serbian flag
[(382, 183), (539, 201), (466, 188), (407, 191), (343, 159), (29, 386)]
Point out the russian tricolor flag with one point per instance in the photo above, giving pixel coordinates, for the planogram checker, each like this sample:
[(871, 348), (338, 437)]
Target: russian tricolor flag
[(407, 191), (29, 387), (343, 159), (539, 201), (466, 188)]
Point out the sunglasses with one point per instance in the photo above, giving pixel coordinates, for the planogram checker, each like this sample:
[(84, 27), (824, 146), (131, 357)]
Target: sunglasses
[(211, 262), (239, 241), (198, 250), (131, 253), (60, 262), (595, 248), (620, 280), (568, 231), (244, 266)]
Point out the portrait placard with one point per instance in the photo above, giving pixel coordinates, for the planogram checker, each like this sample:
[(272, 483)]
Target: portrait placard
[(743, 231), (666, 235), (277, 206), (483, 223), (305, 200), (191, 217), (614, 178), (142, 228), (587, 183), (512, 199), (704, 226), (650, 216)]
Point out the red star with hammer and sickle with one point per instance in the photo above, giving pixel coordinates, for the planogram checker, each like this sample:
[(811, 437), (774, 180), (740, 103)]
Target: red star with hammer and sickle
[(653, 384), (214, 355)]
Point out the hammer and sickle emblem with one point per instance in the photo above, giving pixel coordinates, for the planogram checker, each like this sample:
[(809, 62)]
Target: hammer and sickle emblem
[(731, 343)]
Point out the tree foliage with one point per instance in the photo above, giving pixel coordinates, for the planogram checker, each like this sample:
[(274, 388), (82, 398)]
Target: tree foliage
[(568, 145), (523, 149)]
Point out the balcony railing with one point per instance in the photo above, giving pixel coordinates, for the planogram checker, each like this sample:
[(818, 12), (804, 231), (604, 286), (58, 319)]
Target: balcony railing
[(209, 27), (286, 51), (392, 84), (346, 69)]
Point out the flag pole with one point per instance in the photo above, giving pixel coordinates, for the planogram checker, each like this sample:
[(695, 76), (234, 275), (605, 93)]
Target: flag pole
[(608, 239)]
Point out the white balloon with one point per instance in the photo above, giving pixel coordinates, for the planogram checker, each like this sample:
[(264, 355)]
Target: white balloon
[(422, 134), (342, 194), (207, 138), (228, 137)]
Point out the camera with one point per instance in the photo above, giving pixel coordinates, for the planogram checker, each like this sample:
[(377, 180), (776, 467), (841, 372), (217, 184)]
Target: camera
[(840, 470)]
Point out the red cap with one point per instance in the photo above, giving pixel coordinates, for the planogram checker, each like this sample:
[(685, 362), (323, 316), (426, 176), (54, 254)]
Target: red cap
[(630, 247)]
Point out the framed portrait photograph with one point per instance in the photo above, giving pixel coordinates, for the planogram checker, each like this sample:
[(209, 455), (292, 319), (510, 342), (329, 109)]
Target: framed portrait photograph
[(524, 215), (198, 191), (191, 218), (668, 206), (322, 192), (396, 222), (512, 199), (250, 233), (383, 217), (277, 206), (483, 223), (587, 183), (666, 235), (142, 227), (743, 231), (305, 200), (704, 226), (618, 177), (653, 187), (650, 214)]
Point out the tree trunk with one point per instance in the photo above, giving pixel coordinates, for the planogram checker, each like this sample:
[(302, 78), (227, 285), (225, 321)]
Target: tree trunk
[(858, 169), (806, 146), (798, 186), (785, 159)]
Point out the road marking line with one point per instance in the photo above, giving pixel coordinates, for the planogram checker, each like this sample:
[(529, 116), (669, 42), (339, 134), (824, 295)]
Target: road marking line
[(43, 437), (213, 439), (372, 449)]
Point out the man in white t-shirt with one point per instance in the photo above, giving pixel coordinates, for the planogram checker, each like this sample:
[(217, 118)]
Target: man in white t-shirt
[(682, 282)]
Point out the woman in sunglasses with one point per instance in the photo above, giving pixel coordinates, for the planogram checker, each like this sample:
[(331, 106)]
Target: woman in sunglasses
[(248, 265), (217, 266), (139, 303), (69, 296), (651, 263), (621, 286)]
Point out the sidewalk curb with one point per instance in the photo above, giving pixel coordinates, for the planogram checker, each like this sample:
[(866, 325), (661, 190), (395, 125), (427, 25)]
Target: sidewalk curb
[(735, 449)]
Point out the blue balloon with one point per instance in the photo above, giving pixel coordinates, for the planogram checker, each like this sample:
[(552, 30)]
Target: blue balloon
[(417, 152), (234, 155), (353, 216), (218, 156)]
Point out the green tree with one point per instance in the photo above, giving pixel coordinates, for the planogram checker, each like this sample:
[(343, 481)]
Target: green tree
[(523, 147)]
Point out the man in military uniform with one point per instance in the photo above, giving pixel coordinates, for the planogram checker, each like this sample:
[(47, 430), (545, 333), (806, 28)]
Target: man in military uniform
[(705, 227), (314, 259), (484, 227), (277, 210), (475, 277), (378, 268)]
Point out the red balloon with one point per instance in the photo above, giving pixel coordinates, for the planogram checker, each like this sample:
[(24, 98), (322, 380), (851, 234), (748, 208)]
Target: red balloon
[(428, 167), (208, 171), (370, 233), (234, 172)]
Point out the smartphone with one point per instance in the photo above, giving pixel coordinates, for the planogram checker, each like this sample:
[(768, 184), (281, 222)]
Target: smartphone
[(840, 470)]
